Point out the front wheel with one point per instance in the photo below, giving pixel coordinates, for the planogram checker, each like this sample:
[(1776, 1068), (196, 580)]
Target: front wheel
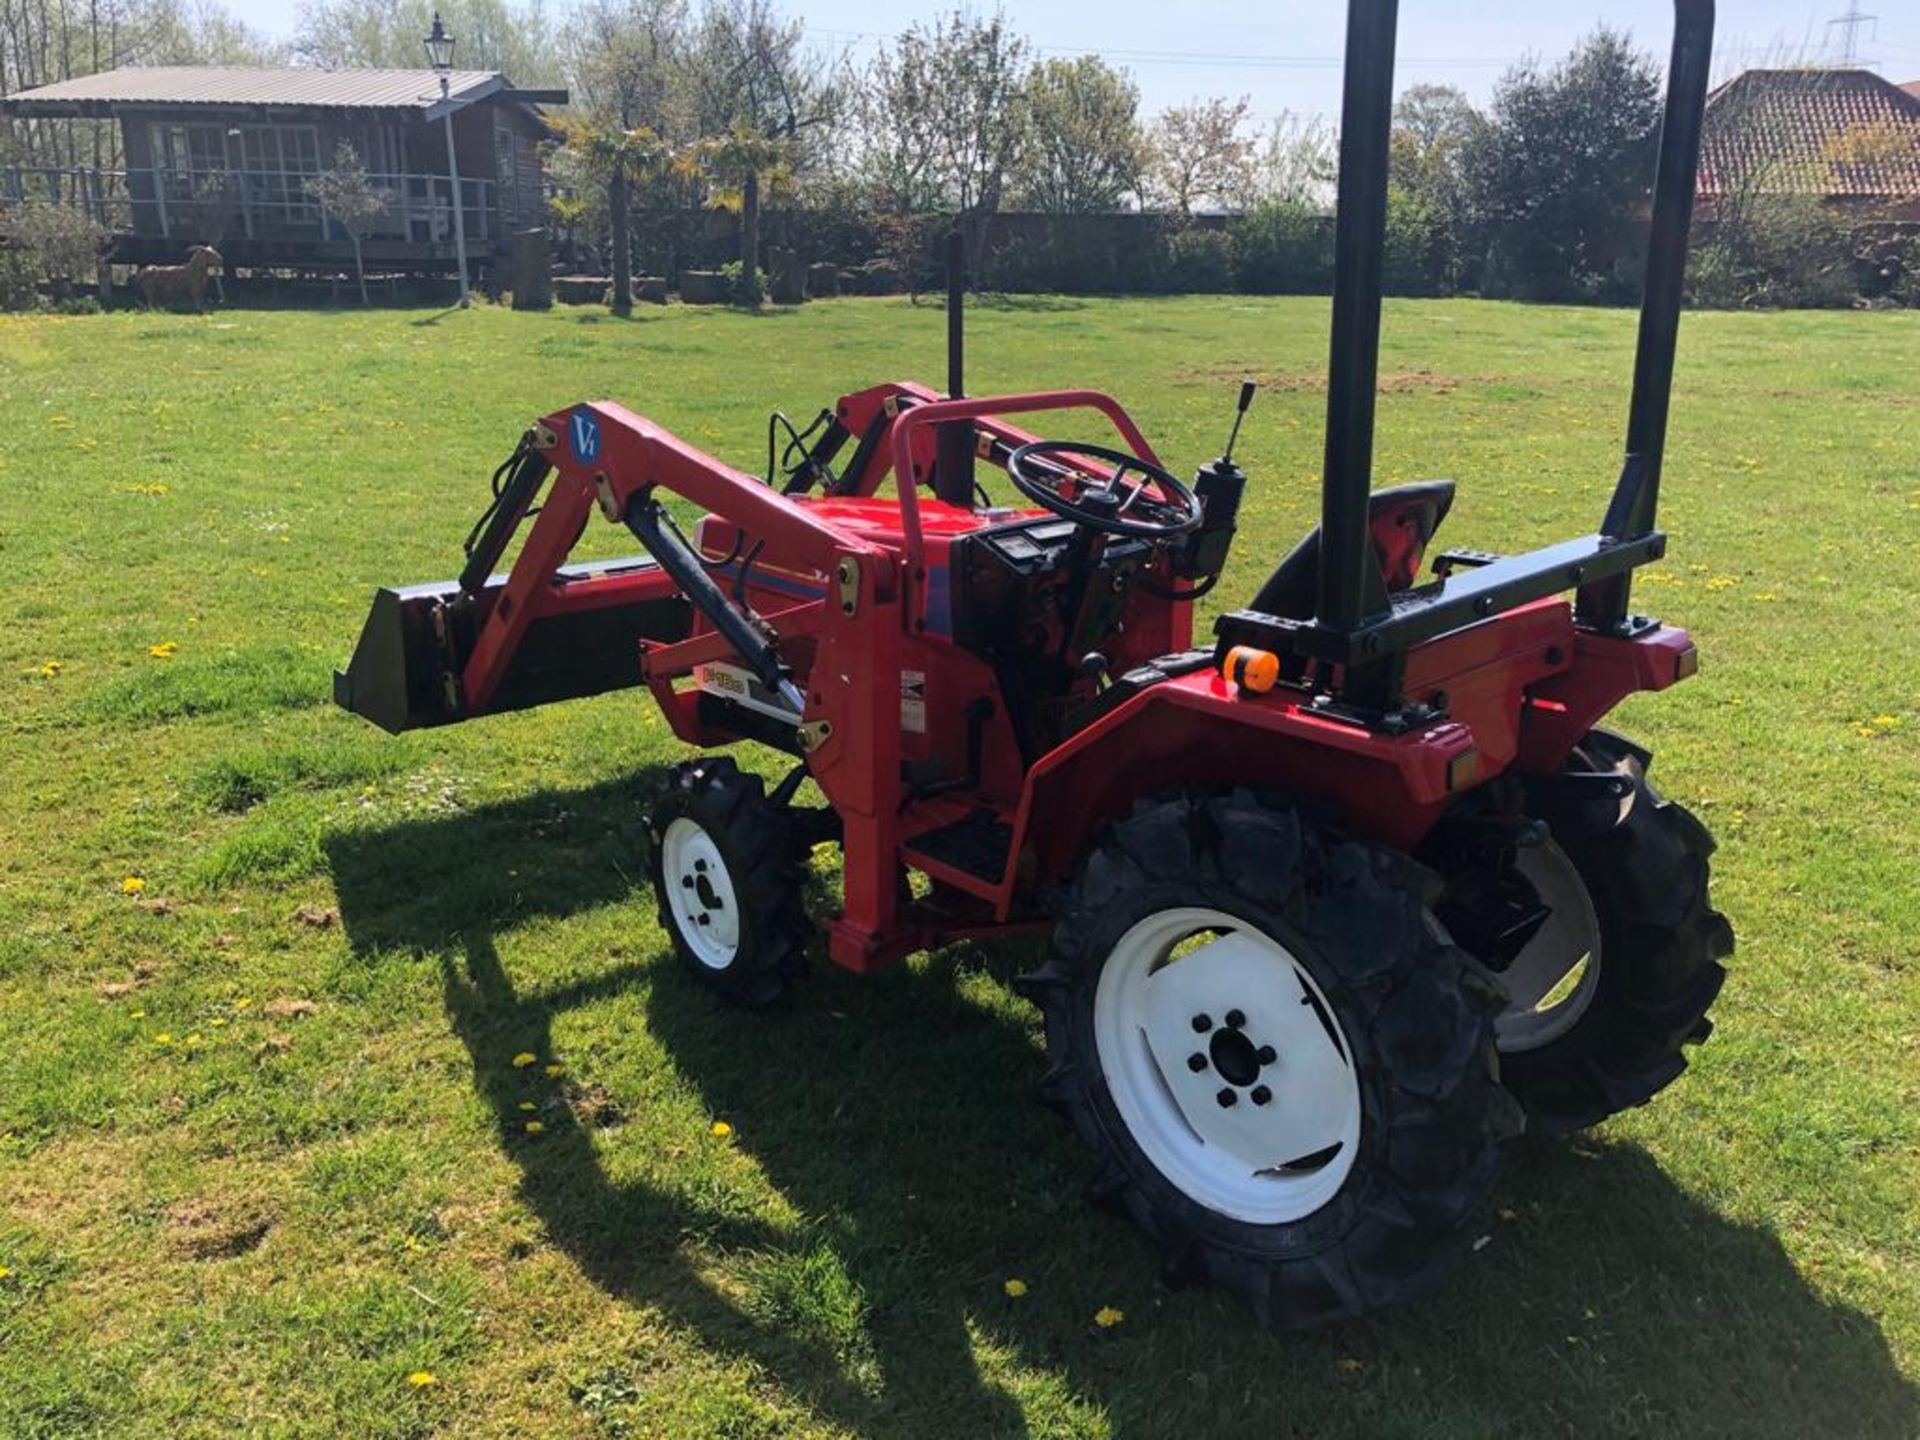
[(728, 878), (1284, 1070)]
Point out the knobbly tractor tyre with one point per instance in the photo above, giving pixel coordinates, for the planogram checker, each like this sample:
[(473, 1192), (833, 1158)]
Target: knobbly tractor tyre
[(728, 875), (1285, 1072), (1605, 998)]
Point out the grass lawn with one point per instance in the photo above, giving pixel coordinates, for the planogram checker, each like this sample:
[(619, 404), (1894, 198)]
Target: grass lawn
[(265, 1150)]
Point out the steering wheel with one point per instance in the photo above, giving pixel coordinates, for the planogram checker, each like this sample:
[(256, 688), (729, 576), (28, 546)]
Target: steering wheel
[(1111, 505)]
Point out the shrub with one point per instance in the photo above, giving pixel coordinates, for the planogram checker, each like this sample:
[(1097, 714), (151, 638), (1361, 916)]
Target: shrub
[(1081, 255), (1200, 262), (1283, 248), (1415, 261), (1905, 289), (18, 275), (1776, 250), (734, 273), (65, 244)]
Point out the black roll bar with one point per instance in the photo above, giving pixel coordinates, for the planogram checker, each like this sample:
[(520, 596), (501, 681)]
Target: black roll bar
[(1636, 496), (1350, 584), (1350, 589)]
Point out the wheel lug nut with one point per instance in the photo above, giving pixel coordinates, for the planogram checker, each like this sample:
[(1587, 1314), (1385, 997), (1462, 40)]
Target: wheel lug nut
[(1235, 1019), (1266, 1055), (1226, 1099), (700, 865), (1196, 1062), (706, 919), (1202, 1024), (686, 882), (1261, 1095)]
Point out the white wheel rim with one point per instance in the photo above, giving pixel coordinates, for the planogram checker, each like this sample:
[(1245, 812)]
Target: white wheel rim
[(1264, 1161), (700, 893), (1552, 981)]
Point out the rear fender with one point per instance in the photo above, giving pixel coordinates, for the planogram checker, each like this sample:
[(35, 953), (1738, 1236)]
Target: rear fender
[(1196, 731)]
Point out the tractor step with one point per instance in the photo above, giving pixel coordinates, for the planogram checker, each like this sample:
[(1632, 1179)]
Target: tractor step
[(970, 853)]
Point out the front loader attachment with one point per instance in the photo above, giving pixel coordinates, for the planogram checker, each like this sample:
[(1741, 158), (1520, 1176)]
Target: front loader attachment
[(406, 672), (450, 650)]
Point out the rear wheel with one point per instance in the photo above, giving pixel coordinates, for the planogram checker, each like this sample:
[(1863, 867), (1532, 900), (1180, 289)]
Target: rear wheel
[(1285, 1072), (1619, 979), (728, 878)]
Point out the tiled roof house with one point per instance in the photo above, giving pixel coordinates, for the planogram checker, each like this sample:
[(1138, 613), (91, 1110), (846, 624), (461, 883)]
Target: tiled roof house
[(1847, 136)]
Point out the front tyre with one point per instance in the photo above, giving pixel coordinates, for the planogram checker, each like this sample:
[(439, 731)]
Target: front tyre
[(1285, 1072), (728, 878)]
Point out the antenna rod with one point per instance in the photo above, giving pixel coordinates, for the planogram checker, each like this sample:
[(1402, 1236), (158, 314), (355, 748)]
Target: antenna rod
[(953, 460)]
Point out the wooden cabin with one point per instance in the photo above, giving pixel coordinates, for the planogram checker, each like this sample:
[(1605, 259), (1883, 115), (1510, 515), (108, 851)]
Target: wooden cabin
[(223, 155)]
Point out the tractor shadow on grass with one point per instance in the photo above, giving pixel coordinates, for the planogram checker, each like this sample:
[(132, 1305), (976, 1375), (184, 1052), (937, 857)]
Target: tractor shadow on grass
[(893, 1113)]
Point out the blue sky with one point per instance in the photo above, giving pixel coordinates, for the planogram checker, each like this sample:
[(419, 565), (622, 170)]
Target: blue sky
[(1284, 55)]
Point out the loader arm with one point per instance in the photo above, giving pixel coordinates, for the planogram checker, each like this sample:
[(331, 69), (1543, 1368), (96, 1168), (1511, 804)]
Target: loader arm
[(604, 456)]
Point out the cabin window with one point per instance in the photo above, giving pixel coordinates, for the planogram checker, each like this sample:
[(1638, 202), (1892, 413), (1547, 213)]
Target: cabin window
[(254, 176)]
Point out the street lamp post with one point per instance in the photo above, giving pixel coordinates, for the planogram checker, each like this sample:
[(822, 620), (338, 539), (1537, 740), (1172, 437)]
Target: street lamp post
[(440, 56)]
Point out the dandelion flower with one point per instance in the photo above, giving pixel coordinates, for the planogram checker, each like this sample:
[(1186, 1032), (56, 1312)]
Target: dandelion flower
[(194, 1038), (165, 1037), (721, 1128), (1106, 1317), (4, 1272), (527, 1105), (132, 885), (165, 650), (217, 1021), (422, 1379), (50, 669), (524, 1059), (555, 1070), (534, 1127), (1015, 1288), (137, 1015), (243, 1002)]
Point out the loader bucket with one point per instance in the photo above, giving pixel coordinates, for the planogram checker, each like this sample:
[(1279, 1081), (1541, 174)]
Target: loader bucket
[(405, 672)]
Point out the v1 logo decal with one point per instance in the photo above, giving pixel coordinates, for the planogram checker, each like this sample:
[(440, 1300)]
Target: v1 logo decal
[(586, 436)]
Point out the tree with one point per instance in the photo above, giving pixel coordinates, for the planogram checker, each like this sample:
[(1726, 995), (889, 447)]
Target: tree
[(1199, 156), (1436, 117), (492, 35), (344, 192), (946, 118), (1298, 165), (757, 95), (1563, 168), (1428, 209), (617, 159), (743, 161), (622, 60), (1084, 150)]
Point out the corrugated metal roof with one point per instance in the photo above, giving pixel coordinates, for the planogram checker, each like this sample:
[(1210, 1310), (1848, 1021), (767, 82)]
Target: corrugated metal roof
[(262, 85), (1839, 133)]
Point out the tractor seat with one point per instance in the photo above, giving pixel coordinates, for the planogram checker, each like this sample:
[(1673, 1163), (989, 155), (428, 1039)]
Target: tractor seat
[(1401, 520)]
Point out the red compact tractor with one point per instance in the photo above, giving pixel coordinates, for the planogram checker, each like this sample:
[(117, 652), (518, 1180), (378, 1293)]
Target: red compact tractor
[(1339, 902)]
